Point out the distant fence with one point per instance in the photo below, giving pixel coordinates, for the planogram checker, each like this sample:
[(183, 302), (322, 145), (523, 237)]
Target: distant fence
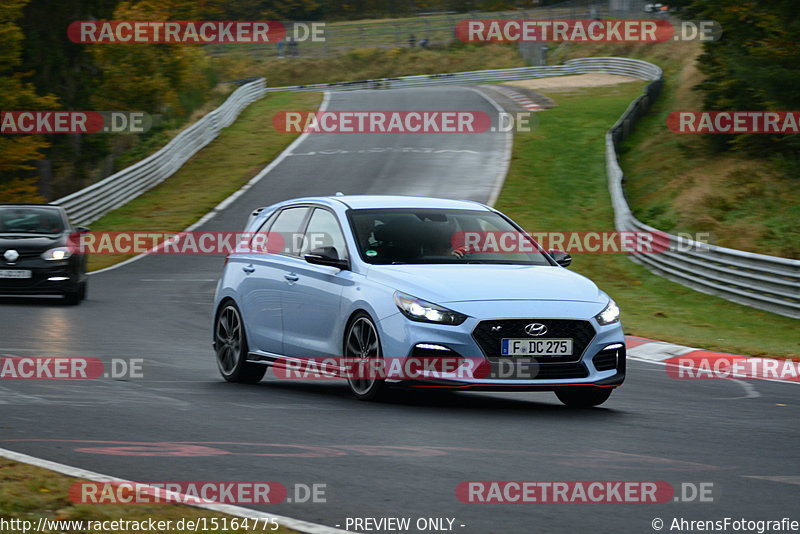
[(434, 29), (93, 202), (608, 65)]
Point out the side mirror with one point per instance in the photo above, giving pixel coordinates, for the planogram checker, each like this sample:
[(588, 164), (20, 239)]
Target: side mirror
[(327, 256), (82, 230), (561, 257)]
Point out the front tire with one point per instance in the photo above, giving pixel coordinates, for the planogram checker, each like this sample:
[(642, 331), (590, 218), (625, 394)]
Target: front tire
[(73, 298), (583, 397), (362, 344), (230, 345)]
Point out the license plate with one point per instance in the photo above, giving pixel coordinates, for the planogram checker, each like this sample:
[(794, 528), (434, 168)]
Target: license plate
[(18, 273), (536, 347)]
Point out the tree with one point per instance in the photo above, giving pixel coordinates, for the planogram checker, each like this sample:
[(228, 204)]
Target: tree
[(149, 77), (17, 152), (754, 66)]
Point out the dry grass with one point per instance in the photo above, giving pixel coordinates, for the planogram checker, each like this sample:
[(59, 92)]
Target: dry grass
[(560, 84), (29, 493)]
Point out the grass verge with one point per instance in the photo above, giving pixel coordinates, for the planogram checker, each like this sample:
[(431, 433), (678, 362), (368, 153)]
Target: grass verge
[(367, 63), (29, 493), (214, 173), (557, 182)]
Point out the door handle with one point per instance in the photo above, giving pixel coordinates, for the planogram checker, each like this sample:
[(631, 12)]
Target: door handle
[(248, 269), (291, 277)]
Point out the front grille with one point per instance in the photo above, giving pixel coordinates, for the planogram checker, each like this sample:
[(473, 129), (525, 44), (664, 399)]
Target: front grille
[(581, 332), (23, 255)]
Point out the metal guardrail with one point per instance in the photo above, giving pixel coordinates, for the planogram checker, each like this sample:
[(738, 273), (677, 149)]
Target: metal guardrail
[(757, 280), (608, 65), (92, 202)]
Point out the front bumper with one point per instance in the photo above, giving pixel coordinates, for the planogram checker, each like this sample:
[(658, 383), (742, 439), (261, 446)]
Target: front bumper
[(600, 360), (47, 278)]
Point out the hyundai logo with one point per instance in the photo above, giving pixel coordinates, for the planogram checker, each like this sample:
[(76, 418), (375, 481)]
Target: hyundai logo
[(11, 255), (535, 329)]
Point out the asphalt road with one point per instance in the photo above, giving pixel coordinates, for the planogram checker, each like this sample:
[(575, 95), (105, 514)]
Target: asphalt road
[(400, 458)]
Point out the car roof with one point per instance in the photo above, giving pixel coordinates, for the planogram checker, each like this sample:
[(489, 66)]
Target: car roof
[(32, 204), (397, 201)]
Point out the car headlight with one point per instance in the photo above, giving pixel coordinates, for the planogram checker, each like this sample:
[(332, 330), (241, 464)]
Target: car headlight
[(426, 312), (57, 254), (609, 315)]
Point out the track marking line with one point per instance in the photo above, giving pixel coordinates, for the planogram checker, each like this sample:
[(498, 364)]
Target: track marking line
[(749, 390), (786, 479), (506, 158), (238, 511)]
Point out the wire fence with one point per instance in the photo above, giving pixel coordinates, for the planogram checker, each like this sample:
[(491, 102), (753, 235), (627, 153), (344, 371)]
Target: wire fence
[(430, 30)]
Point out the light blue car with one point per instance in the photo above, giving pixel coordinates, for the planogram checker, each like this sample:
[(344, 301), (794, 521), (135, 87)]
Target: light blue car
[(384, 291)]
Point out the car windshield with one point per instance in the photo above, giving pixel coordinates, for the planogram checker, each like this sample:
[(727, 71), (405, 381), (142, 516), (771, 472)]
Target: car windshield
[(391, 236), (30, 220)]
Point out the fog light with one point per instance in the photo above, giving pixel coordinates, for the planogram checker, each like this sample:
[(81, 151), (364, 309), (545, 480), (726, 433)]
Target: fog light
[(58, 278), (430, 346)]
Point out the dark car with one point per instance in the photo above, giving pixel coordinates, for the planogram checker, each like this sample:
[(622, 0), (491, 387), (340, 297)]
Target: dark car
[(35, 253)]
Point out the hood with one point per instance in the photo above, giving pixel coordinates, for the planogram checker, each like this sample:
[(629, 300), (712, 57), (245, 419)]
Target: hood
[(445, 283), (31, 242)]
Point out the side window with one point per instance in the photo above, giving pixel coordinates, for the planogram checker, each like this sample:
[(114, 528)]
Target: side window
[(287, 224), (267, 223), (323, 231)]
